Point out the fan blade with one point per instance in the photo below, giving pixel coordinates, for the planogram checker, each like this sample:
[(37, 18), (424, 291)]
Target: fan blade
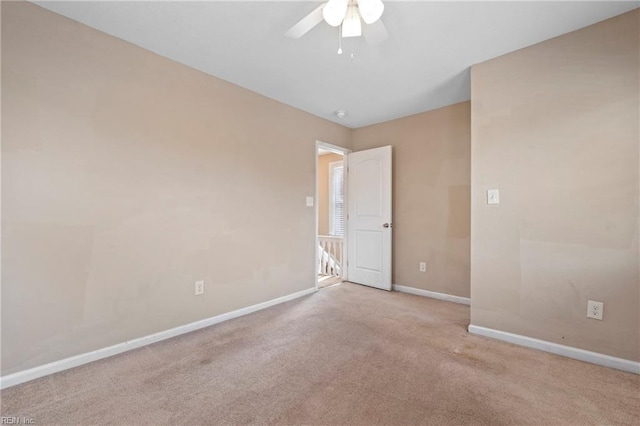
[(306, 24), (376, 32)]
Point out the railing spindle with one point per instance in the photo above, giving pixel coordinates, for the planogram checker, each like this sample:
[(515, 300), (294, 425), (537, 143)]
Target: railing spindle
[(331, 255)]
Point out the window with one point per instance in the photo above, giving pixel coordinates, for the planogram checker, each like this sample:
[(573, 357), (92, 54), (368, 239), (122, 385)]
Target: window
[(336, 199)]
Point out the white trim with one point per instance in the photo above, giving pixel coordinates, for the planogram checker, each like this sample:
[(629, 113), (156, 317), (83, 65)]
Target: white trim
[(557, 349), (316, 212), (345, 236), (331, 147), (77, 360), (432, 294)]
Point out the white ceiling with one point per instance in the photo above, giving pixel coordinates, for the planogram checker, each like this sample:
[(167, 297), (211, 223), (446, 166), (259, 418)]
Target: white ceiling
[(423, 65)]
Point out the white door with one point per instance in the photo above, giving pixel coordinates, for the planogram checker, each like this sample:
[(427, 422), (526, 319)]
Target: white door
[(369, 217)]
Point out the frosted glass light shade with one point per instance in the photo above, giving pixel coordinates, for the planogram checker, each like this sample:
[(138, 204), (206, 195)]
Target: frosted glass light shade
[(370, 10), (351, 26), (334, 11)]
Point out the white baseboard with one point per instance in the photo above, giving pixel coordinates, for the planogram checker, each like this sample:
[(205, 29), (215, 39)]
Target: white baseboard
[(77, 360), (432, 294), (555, 348)]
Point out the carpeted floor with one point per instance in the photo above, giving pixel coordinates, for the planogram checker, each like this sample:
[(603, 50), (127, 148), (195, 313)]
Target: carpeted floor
[(345, 355)]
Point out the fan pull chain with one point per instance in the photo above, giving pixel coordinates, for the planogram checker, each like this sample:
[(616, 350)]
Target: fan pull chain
[(339, 39)]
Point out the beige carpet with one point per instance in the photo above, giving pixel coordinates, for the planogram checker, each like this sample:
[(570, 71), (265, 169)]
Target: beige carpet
[(345, 355)]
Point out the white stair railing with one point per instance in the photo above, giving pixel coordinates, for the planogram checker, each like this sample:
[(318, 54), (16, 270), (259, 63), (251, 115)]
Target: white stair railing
[(330, 254)]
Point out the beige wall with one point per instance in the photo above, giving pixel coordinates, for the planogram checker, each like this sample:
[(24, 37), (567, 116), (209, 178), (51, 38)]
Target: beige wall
[(555, 129), (126, 177), (323, 191), (431, 181)]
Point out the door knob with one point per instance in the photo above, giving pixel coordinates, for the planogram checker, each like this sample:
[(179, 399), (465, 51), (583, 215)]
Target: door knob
[(387, 225)]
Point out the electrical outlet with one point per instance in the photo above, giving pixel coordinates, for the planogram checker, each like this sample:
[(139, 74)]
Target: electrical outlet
[(595, 310), (423, 267), (199, 288)]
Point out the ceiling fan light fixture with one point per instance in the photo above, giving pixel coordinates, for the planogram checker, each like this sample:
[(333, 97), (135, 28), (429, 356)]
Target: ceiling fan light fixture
[(334, 12), (351, 26), (370, 10)]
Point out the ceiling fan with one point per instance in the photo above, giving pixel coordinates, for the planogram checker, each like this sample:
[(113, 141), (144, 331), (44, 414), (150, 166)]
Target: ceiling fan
[(347, 15)]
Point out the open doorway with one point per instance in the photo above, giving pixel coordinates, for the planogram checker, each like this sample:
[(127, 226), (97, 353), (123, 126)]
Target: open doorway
[(331, 211)]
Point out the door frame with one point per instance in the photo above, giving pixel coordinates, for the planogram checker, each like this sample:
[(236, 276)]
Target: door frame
[(345, 163)]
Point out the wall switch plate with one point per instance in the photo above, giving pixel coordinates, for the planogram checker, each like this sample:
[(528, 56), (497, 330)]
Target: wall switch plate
[(309, 201), (493, 196), (595, 310), (199, 288), (423, 267)]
